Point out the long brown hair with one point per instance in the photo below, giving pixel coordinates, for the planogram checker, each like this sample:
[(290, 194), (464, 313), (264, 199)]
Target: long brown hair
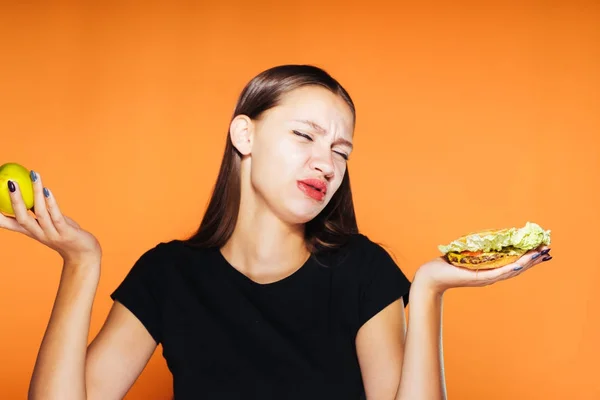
[(332, 227)]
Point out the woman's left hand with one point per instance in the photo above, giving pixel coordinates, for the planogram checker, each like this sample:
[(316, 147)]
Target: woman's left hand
[(439, 275)]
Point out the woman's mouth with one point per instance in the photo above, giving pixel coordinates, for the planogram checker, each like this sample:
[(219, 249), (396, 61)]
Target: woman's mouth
[(313, 188)]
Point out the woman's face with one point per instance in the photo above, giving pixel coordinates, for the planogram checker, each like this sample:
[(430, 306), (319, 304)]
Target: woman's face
[(298, 152)]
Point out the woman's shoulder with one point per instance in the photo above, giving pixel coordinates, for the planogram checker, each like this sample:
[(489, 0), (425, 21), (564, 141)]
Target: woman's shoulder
[(361, 243), (379, 277), (162, 260), (162, 250), (359, 249), (173, 248), (167, 253)]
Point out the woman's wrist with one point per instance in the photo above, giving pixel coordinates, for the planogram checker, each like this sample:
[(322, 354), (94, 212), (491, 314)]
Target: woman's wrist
[(423, 283)]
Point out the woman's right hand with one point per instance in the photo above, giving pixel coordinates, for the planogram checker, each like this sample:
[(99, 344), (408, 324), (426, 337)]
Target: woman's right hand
[(49, 226)]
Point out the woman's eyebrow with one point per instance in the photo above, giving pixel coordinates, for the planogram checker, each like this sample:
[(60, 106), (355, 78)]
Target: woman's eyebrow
[(323, 131)]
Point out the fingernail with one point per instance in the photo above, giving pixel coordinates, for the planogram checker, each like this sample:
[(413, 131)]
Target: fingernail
[(33, 176), (11, 186), (536, 255), (546, 251), (520, 267), (547, 258), (46, 192)]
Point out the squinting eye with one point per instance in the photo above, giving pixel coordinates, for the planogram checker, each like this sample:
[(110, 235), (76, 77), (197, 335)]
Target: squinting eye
[(344, 156), (302, 135)]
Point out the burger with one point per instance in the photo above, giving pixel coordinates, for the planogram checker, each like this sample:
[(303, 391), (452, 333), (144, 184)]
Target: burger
[(494, 248)]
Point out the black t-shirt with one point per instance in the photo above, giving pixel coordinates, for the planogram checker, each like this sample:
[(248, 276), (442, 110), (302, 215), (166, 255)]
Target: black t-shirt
[(225, 336)]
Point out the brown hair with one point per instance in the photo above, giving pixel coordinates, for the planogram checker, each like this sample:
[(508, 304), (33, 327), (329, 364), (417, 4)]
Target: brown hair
[(332, 227)]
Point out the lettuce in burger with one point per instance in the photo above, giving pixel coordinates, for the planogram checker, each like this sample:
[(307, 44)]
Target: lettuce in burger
[(494, 248)]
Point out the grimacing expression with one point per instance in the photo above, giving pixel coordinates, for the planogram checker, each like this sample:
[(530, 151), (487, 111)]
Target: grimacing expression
[(299, 151)]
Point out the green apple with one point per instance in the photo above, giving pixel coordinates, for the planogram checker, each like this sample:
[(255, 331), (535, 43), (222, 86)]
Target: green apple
[(16, 173)]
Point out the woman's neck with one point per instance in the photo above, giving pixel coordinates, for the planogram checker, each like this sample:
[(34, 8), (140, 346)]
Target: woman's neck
[(265, 248)]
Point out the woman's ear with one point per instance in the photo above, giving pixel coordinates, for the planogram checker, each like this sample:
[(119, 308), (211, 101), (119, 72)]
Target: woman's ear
[(241, 132)]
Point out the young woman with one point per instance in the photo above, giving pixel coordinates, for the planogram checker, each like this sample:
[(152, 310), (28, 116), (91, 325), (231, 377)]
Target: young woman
[(276, 296)]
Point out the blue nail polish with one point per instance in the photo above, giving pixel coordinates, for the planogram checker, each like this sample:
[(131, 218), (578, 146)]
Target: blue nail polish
[(11, 186), (536, 255), (46, 192), (33, 176), (520, 267)]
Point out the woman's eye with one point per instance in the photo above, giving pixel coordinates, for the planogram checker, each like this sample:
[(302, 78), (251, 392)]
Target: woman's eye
[(344, 155), (302, 135), (307, 137)]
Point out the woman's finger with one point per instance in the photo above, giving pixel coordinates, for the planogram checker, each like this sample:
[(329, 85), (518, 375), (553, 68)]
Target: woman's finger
[(40, 210), (12, 225), (21, 215), (529, 260), (60, 223), (71, 222), (486, 277), (536, 257)]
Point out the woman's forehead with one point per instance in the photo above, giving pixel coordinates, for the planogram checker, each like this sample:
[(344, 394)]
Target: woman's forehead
[(316, 106)]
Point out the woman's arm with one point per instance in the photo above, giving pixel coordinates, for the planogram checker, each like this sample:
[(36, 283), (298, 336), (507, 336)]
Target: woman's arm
[(403, 365), (422, 368), (422, 374), (59, 371), (65, 368), (380, 351)]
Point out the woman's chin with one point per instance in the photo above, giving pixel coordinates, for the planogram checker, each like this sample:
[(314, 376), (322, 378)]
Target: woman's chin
[(302, 213)]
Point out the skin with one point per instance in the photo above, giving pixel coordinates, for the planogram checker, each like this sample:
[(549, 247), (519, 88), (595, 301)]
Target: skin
[(399, 359), (277, 151)]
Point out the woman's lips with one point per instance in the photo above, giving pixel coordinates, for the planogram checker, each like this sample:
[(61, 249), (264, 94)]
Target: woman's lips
[(313, 188)]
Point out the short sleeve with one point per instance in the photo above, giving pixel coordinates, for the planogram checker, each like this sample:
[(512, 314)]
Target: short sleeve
[(382, 283), (142, 290)]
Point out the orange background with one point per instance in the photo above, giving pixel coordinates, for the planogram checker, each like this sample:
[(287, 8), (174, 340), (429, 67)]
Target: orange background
[(469, 116)]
